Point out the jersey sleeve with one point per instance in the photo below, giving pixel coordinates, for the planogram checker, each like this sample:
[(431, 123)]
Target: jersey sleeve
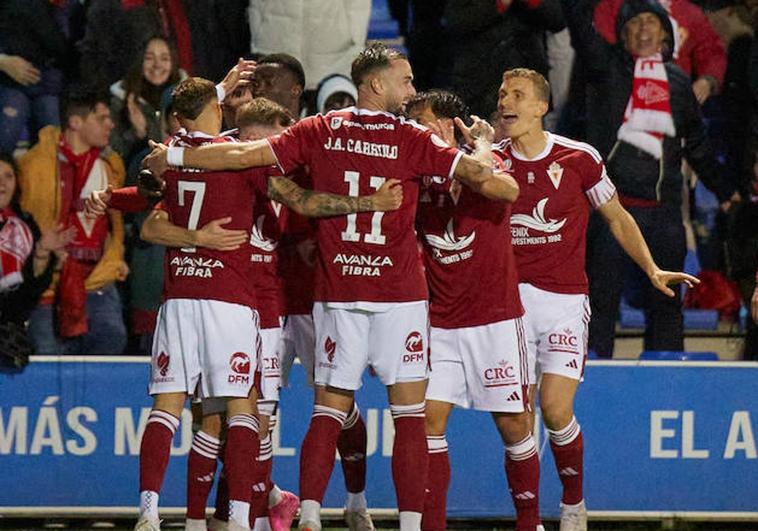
[(596, 184), (428, 154), (291, 147), (128, 200)]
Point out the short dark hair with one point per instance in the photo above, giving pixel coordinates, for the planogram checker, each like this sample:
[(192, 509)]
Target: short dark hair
[(375, 57), (443, 103), (262, 111), (80, 101), (191, 96), (288, 62), (540, 84)]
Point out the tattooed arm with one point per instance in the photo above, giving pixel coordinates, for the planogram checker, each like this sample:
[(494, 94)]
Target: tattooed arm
[(321, 204)]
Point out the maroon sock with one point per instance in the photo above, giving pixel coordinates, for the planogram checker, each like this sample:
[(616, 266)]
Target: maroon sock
[(155, 449), (522, 468), (222, 496), (410, 459), (351, 445), (261, 482), (317, 453), (241, 451), (568, 451), (201, 468), (437, 483)]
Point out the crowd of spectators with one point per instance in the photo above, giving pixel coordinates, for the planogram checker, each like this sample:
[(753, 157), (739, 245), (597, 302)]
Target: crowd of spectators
[(84, 86)]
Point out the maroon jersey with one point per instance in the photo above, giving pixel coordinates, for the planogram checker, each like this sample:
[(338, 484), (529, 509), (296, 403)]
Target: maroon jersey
[(264, 239), (558, 188), (297, 256), (468, 256), (192, 198), (371, 256)]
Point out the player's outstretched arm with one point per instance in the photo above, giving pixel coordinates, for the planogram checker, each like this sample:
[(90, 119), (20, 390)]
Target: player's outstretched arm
[(482, 179), (158, 229), (226, 156), (321, 204), (627, 233)]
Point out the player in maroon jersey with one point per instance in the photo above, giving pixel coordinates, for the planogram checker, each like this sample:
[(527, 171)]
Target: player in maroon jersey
[(207, 330), (561, 181), (477, 337), (370, 292)]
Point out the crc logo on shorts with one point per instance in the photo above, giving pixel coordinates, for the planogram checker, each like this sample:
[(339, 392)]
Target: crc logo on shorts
[(414, 345), (162, 364), (563, 341), (502, 375), (330, 347), (240, 365), (271, 367)]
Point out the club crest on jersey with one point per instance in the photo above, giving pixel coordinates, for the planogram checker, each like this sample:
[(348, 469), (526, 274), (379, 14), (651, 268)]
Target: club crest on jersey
[(555, 172), (530, 177), (336, 122), (507, 164)]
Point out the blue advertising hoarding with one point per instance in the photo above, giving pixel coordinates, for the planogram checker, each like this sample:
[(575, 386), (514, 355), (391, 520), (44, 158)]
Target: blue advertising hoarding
[(660, 437)]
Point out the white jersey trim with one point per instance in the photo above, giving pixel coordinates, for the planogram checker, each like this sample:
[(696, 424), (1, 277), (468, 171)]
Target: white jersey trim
[(581, 146), (549, 137), (602, 192), (276, 157), (454, 165)]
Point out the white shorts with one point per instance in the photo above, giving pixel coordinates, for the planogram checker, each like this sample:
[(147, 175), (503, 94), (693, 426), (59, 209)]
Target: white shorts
[(557, 328), (481, 367), (298, 340), (208, 345), (394, 342), (270, 373)]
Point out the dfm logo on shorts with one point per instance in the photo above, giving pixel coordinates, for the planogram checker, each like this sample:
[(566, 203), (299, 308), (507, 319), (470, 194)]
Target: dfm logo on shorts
[(502, 375), (240, 364), (330, 347), (565, 339), (163, 362), (414, 344)]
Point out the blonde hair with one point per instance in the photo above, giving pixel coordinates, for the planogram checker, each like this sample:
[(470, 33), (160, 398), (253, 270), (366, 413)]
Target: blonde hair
[(540, 84)]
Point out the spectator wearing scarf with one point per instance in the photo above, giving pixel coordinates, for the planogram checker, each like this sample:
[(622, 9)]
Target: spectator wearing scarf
[(643, 117), (81, 310)]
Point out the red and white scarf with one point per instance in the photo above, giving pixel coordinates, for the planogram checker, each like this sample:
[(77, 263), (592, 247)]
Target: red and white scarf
[(16, 244), (77, 180), (648, 114)]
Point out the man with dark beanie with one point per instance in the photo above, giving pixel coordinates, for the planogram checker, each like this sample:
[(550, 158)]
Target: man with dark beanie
[(644, 120)]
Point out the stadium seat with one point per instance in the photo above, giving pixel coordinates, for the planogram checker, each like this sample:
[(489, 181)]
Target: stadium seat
[(693, 319), (381, 26), (677, 355)]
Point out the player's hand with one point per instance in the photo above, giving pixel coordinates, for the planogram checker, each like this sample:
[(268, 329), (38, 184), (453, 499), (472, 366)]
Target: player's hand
[(149, 186), (156, 161), (481, 130), (389, 196), (97, 203), (20, 70), (444, 129), (661, 280), (754, 305), (726, 205), (239, 76), (214, 236), (306, 250)]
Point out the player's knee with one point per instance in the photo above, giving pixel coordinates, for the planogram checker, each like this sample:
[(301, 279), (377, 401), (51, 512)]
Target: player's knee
[(556, 414), (435, 423), (513, 427), (212, 425)]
